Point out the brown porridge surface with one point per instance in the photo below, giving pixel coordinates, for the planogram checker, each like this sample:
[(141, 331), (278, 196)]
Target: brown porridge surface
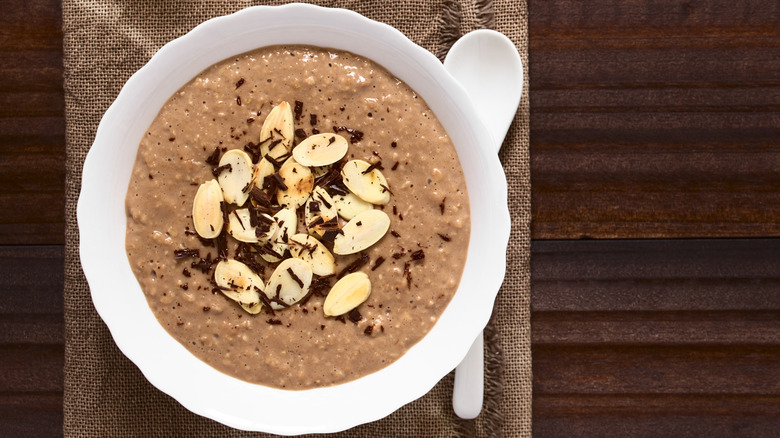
[(300, 348)]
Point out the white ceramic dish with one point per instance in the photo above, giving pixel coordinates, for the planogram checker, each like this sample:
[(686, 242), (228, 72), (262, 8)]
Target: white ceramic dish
[(122, 305)]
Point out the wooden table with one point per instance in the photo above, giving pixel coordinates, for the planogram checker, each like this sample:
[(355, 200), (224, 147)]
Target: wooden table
[(655, 152)]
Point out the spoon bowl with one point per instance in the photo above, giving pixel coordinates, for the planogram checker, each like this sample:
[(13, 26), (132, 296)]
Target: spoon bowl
[(489, 67)]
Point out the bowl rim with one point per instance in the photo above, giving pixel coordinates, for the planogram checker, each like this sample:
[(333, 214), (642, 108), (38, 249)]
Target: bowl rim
[(95, 225)]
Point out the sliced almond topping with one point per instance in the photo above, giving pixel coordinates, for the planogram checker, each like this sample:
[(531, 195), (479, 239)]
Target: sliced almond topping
[(239, 226), (237, 180), (299, 182), (276, 135), (350, 205), (361, 232), (370, 185), (320, 150), (263, 170), (313, 252), (286, 224), (239, 283), (348, 293), (207, 210), (289, 283), (319, 205)]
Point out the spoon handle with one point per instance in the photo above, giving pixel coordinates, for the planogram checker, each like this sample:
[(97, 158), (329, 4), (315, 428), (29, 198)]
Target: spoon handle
[(469, 389)]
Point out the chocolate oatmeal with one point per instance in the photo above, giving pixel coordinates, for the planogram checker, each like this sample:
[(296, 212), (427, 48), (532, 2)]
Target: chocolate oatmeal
[(297, 253)]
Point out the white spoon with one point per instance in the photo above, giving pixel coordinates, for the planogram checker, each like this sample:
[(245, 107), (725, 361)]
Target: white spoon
[(488, 66)]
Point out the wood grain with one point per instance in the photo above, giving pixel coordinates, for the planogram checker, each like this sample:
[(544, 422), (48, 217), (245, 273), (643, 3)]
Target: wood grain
[(654, 119), (32, 124)]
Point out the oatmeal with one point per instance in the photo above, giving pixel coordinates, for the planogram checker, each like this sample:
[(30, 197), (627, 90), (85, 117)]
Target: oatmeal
[(344, 263)]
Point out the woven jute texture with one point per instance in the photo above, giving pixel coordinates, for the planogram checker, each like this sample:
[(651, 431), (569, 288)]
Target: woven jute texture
[(105, 42)]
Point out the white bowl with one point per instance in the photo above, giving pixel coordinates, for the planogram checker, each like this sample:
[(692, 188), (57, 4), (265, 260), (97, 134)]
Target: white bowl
[(122, 305)]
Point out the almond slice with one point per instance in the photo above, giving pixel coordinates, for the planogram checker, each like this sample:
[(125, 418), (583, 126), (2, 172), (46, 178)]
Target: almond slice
[(276, 135), (207, 210), (239, 226), (235, 182), (361, 232), (286, 224), (299, 182), (348, 293), (239, 283), (350, 205), (320, 204), (289, 283), (263, 170), (320, 150), (370, 186), (313, 252)]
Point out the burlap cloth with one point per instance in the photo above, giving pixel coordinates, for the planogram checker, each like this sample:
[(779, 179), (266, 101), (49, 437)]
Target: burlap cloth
[(106, 41)]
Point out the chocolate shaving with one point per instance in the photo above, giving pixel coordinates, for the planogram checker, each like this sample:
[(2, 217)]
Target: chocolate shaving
[(273, 144), (330, 235), (314, 207), (203, 264), (377, 165), (418, 255), (341, 318), (238, 100), (213, 159), (294, 277), (324, 201), (268, 249), (298, 109), (393, 144), (441, 206), (444, 237), (185, 253), (312, 119), (320, 285), (300, 133), (377, 263), (354, 315), (408, 275), (259, 196), (395, 233), (222, 248), (240, 83), (354, 266), (395, 166), (274, 321), (354, 135), (279, 181), (385, 188), (186, 273), (398, 255), (369, 329), (218, 170), (253, 150)]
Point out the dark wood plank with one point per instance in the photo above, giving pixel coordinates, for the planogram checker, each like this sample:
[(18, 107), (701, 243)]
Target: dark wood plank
[(656, 415), (31, 415), (31, 278), (654, 119), (674, 275), (656, 328), (641, 338)]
